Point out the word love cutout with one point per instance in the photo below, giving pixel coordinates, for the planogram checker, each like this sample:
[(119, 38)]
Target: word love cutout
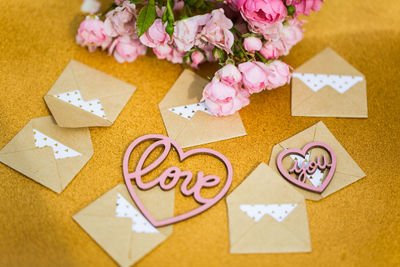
[(308, 167), (173, 175)]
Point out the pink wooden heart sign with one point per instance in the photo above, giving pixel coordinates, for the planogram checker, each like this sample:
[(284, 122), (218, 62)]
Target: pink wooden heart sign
[(173, 175), (309, 168)]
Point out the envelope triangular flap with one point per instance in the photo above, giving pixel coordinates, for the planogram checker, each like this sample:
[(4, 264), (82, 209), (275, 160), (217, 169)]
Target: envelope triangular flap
[(328, 62), (69, 116), (23, 140)]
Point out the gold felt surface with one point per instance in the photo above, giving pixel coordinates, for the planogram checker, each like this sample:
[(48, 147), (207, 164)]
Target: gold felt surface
[(357, 226)]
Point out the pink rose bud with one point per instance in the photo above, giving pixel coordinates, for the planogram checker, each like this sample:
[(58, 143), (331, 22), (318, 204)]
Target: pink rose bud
[(254, 76), (252, 44), (222, 99), (273, 49), (91, 34), (197, 58), (155, 35), (278, 74), (229, 74), (127, 49)]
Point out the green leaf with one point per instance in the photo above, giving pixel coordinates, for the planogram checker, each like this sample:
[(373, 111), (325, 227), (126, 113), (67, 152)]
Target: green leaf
[(147, 16), (291, 10)]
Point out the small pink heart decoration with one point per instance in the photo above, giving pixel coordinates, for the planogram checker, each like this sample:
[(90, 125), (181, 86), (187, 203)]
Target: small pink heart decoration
[(308, 168), (173, 175)]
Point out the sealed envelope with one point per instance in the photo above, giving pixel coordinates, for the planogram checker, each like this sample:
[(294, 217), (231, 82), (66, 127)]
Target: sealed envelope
[(266, 215), (347, 171), (328, 86), (47, 153), (117, 225), (188, 121), (85, 97)]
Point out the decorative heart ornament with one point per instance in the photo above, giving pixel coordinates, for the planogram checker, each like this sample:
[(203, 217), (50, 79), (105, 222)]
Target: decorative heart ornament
[(305, 169), (173, 175)]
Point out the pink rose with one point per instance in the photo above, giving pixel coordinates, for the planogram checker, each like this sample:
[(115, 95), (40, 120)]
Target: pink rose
[(254, 76), (90, 6), (216, 31), (229, 74), (121, 20), (270, 31), (197, 58), (91, 34), (126, 48), (186, 31), (162, 51), (208, 50), (305, 6), (278, 74), (252, 44), (292, 33), (222, 99), (262, 11), (273, 49), (155, 35)]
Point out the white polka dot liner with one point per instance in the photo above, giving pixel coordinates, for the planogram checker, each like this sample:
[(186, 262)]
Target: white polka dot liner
[(317, 177), (341, 83), (139, 223), (93, 106), (277, 211), (188, 111), (60, 151)]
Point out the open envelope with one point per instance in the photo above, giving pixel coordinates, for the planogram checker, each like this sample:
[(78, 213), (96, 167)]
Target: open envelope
[(116, 224), (85, 97), (328, 86), (347, 170), (47, 153), (187, 120), (266, 215)]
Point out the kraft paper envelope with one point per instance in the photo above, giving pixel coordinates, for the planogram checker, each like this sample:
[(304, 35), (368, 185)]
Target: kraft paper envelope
[(328, 86), (115, 223), (347, 170), (200, 128), (47, 153), (85, 97), (266, 215)]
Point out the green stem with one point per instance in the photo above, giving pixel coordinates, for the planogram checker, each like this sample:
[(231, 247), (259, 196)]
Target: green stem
[(263, 59)]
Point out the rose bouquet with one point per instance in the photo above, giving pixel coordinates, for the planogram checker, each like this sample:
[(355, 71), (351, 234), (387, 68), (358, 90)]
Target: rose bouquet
[(246, 38)]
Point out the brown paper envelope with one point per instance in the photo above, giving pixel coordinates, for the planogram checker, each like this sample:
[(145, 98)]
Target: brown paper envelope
[(347, 170), (115, 235), (39, 164), (327, 102), (202, 128), (264, 186), (93, 84)]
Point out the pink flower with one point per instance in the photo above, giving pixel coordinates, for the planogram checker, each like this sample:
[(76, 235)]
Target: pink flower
[(176, 56), (229, 74), (186, 31), (217, 32), (292, 33), (162, 51), (305, 6), (273, 49), (222, 99), (126, 48), (270, 31), (91, 34), (252, 44), (262, 11), (155, 35), (197, 58), (278, 74), (208, 50), (254, 76), (90, 6), (121, 20)]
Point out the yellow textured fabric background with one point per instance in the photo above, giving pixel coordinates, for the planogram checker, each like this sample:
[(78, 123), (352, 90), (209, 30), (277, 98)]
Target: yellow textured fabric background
[(357, 226)]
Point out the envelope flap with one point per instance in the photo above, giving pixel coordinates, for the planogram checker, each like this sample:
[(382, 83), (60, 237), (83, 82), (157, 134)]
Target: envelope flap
[(94, 84), (186, 90), (300, 139), (65, 82), (328, 62), (23, 140), (112, 234), (38, 164), (345, 163)]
